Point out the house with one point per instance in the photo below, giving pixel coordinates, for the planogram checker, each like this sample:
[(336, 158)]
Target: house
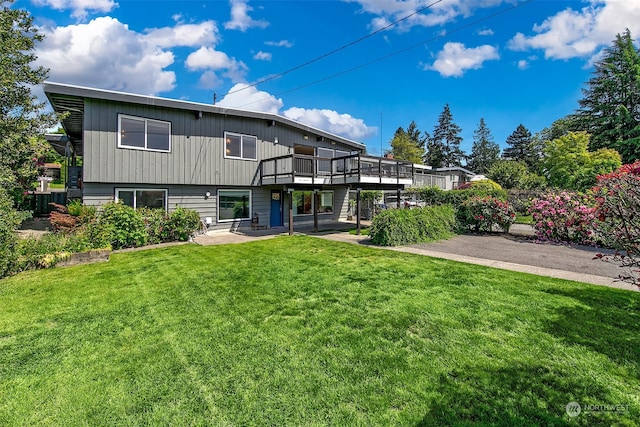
[(232, 166), (454, 176)]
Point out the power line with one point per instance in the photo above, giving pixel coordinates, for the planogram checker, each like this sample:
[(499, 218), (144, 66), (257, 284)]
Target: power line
[(398, 52), (343, 47)]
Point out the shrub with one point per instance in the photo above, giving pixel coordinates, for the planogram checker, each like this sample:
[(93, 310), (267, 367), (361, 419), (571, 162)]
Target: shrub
[(408, 226), (521, 200), (483, 213), (183, 223), (564, 217), (434, 196), (156, 222), (9, 220), (124, 224), (45, 251), (618, 209)]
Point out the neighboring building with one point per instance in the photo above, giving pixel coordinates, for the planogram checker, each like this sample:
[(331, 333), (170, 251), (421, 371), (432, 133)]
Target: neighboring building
[(229, 165), (454, 176)]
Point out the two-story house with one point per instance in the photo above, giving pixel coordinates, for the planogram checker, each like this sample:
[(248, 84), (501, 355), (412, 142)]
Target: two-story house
[(227, 164)]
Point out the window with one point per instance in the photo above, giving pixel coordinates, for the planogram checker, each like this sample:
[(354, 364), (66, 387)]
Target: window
[(138, 198), (239, 146), (234, 204), (143, 134), (324, 165), (303, 202)]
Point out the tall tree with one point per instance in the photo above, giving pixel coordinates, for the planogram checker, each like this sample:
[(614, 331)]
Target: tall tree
[(610, 109), (519, 145), (22, 119), (485, 151), (443, 147), (406, 145)]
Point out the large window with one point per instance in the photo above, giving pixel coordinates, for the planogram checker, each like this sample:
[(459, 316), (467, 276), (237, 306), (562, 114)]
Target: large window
[(234, 204), (239, 146), (303, 202), (324, 165), (138, 198), (143, 134)]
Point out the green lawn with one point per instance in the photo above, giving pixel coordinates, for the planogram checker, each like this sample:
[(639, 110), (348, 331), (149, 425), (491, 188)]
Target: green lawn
[(303, 331)]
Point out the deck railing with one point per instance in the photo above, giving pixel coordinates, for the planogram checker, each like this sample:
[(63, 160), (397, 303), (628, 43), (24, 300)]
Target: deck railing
[(351, 168)]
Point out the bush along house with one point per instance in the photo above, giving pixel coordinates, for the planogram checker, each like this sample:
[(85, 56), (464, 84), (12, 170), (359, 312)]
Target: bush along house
[(232, 166)]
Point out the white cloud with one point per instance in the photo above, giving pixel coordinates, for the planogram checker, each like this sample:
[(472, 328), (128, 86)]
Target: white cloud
[(80, 8), (344, 125), (105, 53), (454, 59), (523, 64), (486, 32), (205, 33), (262, 56), (248, 97), (281, 43), (581, 33), (207, 58), (240, 19), (388, 11)]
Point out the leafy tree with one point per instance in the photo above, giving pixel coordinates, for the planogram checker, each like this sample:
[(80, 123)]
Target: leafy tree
[(570, 166), (407, 145), (557, 129), (485, 152), (22, 120), (443, 147), (610, 109), (514, 174), (519, 145)]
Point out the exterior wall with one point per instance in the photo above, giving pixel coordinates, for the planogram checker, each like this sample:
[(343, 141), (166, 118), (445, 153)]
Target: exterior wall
[(194, 197), (197, 147)]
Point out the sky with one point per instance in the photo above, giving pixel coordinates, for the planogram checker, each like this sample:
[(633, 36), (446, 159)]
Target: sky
[(356, 68)]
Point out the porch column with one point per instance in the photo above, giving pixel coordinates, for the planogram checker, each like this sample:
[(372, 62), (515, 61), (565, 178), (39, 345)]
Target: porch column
[(290, 193), (398, 199), (358, 190), (316, 202)]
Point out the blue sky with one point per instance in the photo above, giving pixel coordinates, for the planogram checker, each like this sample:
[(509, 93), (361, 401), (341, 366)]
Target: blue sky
[(509, 62)]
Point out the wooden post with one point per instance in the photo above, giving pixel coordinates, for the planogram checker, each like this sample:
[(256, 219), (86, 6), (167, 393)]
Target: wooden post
[(358, 211), (290, 192), (316, 202)]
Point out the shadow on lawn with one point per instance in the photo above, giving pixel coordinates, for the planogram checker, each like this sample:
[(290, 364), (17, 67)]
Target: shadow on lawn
[(513, 396), (604, 322)]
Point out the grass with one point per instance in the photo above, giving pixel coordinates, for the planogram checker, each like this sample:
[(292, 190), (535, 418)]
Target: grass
[(302, 331), (524, 219), (364, 231)]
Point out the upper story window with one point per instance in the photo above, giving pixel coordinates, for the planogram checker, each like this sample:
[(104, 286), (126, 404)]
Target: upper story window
[(143, 134), (238, 146)]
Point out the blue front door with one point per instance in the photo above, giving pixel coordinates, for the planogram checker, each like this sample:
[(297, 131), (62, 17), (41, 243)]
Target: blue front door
[(276, 208)]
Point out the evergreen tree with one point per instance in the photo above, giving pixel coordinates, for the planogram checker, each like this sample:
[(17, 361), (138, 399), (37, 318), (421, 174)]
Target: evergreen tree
[(519, 145), (22, 120), (406, 145), (443, 147), (485, 152), (610, 109)]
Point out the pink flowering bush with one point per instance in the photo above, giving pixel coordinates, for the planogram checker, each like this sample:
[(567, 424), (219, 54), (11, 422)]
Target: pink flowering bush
[(484, 213), (618, 211), (565, 217)]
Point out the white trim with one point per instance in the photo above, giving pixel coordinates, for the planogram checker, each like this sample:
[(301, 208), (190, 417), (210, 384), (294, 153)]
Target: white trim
[(134, 189), (146, 133), (234, 219), (242, 157)]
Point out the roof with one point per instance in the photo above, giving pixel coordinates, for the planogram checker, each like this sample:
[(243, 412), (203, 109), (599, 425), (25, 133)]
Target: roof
[(454, 169), (70, 99)]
